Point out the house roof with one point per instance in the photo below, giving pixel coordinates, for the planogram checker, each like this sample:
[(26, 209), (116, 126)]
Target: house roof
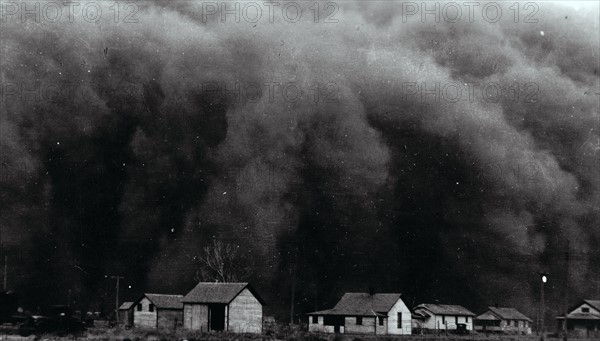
[(362, 304), (446, 309), (205, 292), (579, 316), (509, 314), (488, 316), (126, 305), (161, 301), (595, 304), (592, 303)]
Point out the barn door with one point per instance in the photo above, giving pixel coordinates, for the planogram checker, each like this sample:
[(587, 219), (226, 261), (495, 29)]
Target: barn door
[(217, 316)]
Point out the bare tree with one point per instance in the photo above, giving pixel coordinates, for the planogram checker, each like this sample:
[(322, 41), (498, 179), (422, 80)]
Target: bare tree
[(220, 262)]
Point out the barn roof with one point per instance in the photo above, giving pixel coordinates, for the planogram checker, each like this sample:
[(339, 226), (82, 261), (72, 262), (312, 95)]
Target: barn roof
[(162, 301), (126, 305), (509, 314), (446, 309), (362, 304), (206, 292)]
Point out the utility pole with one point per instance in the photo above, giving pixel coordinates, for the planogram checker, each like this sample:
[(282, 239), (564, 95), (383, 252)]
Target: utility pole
[(117, 297), (543, 308)]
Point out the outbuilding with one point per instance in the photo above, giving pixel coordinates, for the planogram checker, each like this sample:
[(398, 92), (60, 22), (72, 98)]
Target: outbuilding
[(126, 314), (232, 307), (158, 311)]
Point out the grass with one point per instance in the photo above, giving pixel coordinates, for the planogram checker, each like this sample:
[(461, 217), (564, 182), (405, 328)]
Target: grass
[(272, 333)]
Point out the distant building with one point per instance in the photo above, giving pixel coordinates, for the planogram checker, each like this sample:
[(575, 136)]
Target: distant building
[(503, 320), (440, 317), (158, 311), (126, 314), (583, 319), (233, 307), (364, 313)]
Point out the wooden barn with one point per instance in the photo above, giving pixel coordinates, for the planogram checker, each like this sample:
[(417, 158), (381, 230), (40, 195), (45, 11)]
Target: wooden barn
[(503, 320), (233, 307), (364, 313), (126, 314), (441, 317), (158, 311)]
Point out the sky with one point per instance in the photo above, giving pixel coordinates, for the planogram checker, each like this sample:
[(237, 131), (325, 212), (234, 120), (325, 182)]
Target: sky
[(354, 145)]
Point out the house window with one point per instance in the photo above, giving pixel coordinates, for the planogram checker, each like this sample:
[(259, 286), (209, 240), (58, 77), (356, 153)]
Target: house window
[(315, 319), (467, 319), (380, 321), (456, 319), (359, 320), (151, 307), (585, 310), (443, 319), (399, 320), (139, 307)]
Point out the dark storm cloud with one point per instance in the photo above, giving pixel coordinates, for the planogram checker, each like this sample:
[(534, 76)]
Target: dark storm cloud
[(147, 162)]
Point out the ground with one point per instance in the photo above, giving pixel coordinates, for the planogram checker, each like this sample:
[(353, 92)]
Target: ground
[(279, 333)]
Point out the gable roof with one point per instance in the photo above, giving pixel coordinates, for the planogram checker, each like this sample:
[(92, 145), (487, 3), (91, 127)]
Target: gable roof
[(488, 316), (205, 292), (594, 303), (161, 301), (509, 314), (446, 309), (362, 304), (126, 305)]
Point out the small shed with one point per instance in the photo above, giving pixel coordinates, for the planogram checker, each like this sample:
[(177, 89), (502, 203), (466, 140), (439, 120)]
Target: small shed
[(158, 311), (126, 314), (233, 307)]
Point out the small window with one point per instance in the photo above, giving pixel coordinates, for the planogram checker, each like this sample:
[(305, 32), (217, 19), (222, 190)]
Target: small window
[(139, 307), (151, 307), (380, 321), (315, 319), (400, 320), (359, 320), (456, 319), (443, 319), (585, 310), (467, 319)]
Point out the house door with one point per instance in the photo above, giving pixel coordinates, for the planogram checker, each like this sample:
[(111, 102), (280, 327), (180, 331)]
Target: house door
[(336, 329), (217, 316)]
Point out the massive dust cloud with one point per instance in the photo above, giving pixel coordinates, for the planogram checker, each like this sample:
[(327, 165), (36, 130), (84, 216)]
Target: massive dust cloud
[(449, 160)]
